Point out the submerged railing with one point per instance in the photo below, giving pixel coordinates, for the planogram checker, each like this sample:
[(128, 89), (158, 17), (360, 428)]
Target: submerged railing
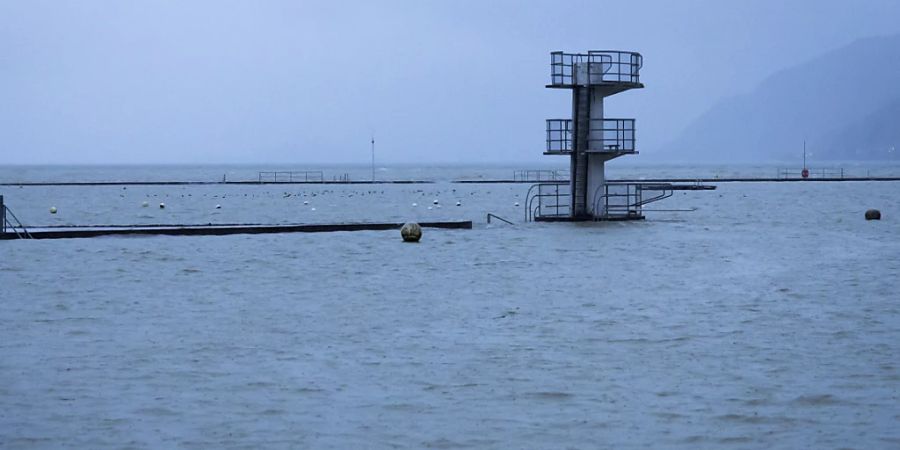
[(625, 200), (306, 176), (15, 225), (538, 175), (812, 173), (547, 200)]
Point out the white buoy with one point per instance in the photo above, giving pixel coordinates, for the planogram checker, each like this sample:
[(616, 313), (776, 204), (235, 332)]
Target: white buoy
[(162, 206), (517, 203), (305, 202), (218, 206), (435, 201), (145, 204), (52, 210), (313, 208), (415, 204), (458, 203)]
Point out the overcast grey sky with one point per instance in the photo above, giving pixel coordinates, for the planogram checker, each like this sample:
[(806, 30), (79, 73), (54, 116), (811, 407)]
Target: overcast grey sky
[(302, 81)]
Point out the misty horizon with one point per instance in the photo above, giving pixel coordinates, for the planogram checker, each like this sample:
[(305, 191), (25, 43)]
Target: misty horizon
[(309, 83)]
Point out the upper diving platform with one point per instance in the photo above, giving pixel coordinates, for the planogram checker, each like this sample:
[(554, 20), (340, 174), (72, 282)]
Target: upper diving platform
[(614, 69)]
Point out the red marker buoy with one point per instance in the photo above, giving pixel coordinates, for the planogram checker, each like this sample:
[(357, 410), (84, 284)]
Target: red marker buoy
[(804, 173)]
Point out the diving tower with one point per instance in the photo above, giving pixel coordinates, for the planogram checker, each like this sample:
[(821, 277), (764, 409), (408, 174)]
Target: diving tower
[(590, 139)]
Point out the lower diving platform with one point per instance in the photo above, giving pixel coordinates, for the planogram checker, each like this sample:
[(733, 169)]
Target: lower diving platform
[(614, 201)]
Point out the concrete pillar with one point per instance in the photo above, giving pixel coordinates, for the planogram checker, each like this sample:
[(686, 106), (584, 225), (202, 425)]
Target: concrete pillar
[(581, 104), (596, 177)]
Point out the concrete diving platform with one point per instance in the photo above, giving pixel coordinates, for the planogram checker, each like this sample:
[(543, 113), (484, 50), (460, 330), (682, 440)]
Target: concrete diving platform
[(70, 232)]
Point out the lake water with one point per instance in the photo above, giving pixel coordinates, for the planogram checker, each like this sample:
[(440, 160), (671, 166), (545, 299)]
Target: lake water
[(767, 317)]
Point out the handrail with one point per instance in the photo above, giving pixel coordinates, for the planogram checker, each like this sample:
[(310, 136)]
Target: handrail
[(605, 135), (532, 212), (595, 67), (316, 175), (665, 189), (8, 213), (489, 215)]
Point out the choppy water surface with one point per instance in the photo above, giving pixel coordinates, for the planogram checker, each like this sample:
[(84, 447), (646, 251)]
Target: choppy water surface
[(768, 317)]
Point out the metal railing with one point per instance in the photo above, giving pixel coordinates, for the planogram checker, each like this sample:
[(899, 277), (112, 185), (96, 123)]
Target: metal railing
[(812, 173), (547, 200), (626, 200), (559, 136), (7, 225), (491, 215), (611, 135), (618, 200), (606, 135), (540, 175), (595, 67), (306, 176)]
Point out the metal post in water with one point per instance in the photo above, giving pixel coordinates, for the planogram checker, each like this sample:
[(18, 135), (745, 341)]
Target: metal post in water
[(2, 215)]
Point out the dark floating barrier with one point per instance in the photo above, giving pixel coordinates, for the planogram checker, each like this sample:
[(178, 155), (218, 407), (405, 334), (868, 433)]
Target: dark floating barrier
[(695, 180), (71, 232), (205, 183)]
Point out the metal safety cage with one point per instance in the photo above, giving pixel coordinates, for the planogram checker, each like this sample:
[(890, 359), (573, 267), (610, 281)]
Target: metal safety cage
[(595, 67), (559, 136), (611, 135), (627, 200), (548, 200)]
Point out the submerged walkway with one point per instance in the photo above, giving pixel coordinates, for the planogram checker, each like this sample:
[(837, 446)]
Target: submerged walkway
[(68, 232), (201, 183), (691, 180), (479, 181)]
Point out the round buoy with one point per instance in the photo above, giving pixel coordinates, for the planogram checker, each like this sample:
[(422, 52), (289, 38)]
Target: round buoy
[(411, 232), (312, 209), (873, 214), (305, 202), (52, 210), (162, 206), (458, 203), (145, 204), (804, 173), (517, 204), (415, 204), (218, 206), (435, 201)]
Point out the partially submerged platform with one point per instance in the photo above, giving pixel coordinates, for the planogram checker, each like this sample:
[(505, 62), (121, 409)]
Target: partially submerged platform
[(608, 218), (71, 232)]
